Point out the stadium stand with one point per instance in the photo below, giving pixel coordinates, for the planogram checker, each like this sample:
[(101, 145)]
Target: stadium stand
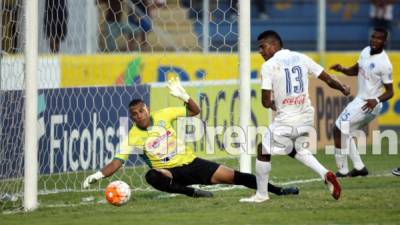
[(348, 25)]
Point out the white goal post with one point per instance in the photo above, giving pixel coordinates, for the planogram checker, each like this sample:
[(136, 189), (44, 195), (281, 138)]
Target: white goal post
[(244, 71), (31, 105)]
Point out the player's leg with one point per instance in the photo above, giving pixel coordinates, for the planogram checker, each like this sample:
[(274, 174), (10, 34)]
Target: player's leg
[(226, 175), (292, 142), (263, 168), (341, 139), (355, 119), (340, 154), (308, 159), (359, 168), (162, 180), (263, 162), (341, 135)]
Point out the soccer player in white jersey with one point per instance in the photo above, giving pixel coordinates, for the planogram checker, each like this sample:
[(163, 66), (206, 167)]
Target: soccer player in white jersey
[(374, 72), (285, 74)]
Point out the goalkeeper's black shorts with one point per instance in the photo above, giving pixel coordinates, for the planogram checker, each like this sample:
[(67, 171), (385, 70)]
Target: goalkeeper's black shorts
[(199, 171)]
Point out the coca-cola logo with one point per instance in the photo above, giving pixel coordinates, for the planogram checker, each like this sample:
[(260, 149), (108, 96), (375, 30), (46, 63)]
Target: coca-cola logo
[(299, 100)]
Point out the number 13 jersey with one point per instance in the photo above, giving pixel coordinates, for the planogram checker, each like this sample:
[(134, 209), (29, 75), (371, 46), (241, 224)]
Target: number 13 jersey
[(286, 75)]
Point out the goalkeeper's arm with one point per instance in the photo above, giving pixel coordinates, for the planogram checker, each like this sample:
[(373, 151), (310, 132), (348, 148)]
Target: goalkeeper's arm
[(178, 91), (192, 107), (111, 168), (107, 171)]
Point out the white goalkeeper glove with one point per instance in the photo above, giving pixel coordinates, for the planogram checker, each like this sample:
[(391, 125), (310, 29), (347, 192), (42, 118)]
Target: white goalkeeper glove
[(92, 179), (177, 90)]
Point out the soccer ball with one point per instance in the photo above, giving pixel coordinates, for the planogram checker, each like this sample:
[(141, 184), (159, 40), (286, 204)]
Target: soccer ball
[(118, 193)]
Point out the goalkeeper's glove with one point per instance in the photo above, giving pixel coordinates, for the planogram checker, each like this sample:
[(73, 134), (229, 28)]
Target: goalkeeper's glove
[(92, 179), (177, 90)]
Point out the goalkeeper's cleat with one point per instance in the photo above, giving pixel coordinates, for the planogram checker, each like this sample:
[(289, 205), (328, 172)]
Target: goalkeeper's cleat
[(355, 173), (339, 174), (255, 199), (396, 172), (333, 185), (290, 191), (198, 193)]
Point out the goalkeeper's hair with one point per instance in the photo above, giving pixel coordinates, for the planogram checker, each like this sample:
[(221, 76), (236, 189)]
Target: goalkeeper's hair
[(270, 34), (135, 102)]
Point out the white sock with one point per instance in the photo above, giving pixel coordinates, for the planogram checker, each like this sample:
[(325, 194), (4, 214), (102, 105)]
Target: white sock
[(355, 156), (262, 174), (309, 160), (341, 161)]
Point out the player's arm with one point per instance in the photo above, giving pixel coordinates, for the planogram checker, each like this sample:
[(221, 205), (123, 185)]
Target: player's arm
[(371, 103), (192, 108), (107, 171), (388, 94), (333, 83), (178, 91), (111, 167), (266, 99), (267, 87), (349, 71)]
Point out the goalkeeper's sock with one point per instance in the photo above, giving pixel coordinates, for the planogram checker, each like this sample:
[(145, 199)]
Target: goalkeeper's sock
[(245, 179), (250, 181), (181, 189), (163, 183)]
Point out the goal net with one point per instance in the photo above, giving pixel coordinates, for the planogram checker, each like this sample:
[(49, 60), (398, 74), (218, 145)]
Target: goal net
[(96, 56)]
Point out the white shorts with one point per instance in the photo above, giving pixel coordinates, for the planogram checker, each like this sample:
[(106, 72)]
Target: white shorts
[(282, 139), (355, 116)]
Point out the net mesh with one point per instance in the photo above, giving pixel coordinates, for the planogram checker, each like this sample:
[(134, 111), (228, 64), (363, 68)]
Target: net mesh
[(94, 57)]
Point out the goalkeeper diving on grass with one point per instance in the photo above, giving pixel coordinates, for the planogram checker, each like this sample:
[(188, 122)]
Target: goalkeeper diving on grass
[(155, 138)]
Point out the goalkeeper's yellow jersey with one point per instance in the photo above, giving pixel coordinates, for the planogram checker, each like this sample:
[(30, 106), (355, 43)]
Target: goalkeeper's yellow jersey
[(158, 143)]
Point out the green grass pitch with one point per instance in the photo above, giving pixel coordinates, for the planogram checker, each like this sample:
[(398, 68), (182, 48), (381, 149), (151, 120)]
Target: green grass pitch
[(369, 200)]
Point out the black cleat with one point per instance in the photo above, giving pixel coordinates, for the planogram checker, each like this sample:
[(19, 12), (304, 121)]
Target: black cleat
[(339, 174), (396, 171), (355, 173), (290, 191), (202, 194)]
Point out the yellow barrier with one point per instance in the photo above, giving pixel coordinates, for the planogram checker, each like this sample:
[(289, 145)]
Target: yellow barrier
[(101, 70), (93, 70)]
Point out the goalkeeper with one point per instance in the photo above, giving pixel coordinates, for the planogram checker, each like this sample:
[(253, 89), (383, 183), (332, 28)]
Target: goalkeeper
[(173, 172)]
